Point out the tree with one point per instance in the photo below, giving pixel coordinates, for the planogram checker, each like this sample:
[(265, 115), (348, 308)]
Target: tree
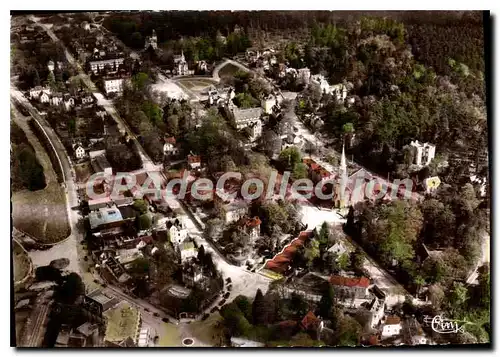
[(140, 206), (144, 221), (71, 289), (173, 125), (52, 81), (244, 305), (259, 309), (344, 261), (358, 261), (140, 267), (436, 295), (201, 254), (326, 302), (300, 171), (153, 112), (312, 252), (458, 297), (347, 332), (139, 81), (290, 157)]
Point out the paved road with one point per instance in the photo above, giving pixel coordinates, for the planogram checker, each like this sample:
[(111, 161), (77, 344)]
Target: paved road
[(69, 247), (244, 282), (395, 292), (101, 100)]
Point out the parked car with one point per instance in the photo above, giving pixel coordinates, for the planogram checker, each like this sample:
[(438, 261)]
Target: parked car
[(222, 302), (165, 320), (104, 285), (205, 316), (229, 287), (156, 314), (214, 309), (226, 295), (228, 280), (146, 309)]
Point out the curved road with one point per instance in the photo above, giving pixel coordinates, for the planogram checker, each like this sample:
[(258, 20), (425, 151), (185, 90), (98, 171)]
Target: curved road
[(68, 247)]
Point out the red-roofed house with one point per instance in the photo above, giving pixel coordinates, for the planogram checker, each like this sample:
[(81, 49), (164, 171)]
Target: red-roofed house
[(281, 261), (252, 227), (170, 146), (194, 161), (310, 322), (352, 291)]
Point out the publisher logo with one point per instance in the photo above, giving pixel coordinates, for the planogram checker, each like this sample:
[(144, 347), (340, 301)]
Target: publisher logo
[(441, 324)]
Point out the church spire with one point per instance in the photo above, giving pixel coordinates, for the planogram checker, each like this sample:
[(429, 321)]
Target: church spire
[(343, 165)]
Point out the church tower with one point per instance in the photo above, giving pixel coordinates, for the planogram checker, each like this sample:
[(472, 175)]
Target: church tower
[(341, 198), (154, 40)]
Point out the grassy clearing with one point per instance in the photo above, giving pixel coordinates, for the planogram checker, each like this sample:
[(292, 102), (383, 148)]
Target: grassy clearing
[(21, 262), (170, 336), (42, 214), (208, 331), (83, 171)]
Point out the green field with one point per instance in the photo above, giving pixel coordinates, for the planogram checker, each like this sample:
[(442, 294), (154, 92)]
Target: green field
[(42, 214)]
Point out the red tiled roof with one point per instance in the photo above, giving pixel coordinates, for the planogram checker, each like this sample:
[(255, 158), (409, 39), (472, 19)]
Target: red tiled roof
[(281, 261), (170, 140), (310, 321), (350, 282), (392, 320), (253, 222), (193, 158)]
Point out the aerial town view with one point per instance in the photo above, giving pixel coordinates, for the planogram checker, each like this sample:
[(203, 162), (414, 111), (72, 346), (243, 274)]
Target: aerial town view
[(250, 179)]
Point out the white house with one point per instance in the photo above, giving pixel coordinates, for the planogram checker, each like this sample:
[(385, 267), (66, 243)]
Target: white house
[(247, 118), (44, 98), (177, 234), (202, 66), (425, 153), (79, 151), (392, 326), (235, 211), (188, 250), (194, 161), (169, 148), (252, 227), (320, 82), (56, 99), (113, 85), (69, 102), (304, 75), (268, 104), (338, 248)]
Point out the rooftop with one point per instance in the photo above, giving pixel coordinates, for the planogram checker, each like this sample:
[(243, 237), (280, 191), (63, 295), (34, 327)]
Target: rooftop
[(349, 282), (310, 321), (392, 320), (246, 114), (104, 215), (122, 322)]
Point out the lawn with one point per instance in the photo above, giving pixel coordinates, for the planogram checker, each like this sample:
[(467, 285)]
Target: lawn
[(196, 84), (209, 331), (83, 171), (170, 336), (42, 214), (21, 262), (122, 322)]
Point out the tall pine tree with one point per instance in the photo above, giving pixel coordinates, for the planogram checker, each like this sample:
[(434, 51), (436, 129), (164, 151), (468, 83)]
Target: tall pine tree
[(259, 309)]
